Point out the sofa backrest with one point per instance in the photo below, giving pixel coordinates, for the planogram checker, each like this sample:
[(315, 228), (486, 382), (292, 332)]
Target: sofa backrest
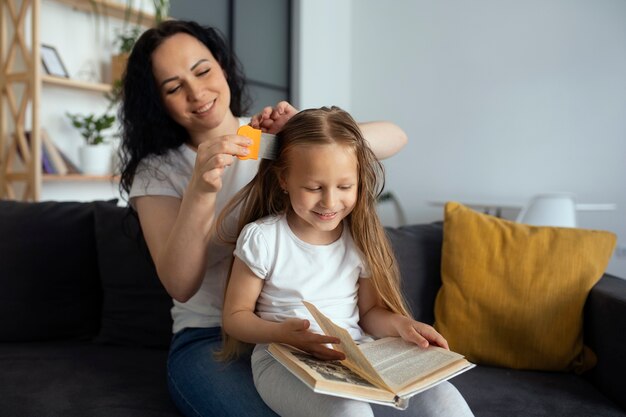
[(71, 270), (49, 287), (418, 251)]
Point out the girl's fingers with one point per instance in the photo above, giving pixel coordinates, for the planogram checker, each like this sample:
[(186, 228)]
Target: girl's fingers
[(328, 354)]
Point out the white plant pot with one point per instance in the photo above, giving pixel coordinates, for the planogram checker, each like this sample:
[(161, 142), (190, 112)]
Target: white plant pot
[(96, 159)]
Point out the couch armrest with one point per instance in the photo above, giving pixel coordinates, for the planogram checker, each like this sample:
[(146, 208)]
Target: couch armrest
[(605, 334)]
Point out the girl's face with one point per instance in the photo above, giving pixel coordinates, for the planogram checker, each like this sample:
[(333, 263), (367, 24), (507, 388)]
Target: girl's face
[(192, 84), (322, 183)]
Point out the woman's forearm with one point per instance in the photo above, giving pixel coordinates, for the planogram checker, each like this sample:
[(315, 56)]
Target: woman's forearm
[(385, 138)]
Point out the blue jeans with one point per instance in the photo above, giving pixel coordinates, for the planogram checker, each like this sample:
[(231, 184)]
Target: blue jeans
[(200, 385)]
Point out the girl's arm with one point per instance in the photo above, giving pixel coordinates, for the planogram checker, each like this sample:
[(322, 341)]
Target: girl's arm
[(177, 231), (240, 321), (385, 138), (379, 322)]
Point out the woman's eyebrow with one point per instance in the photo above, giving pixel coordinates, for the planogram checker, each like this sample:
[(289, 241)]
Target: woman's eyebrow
[(167, 80), (198, 63)]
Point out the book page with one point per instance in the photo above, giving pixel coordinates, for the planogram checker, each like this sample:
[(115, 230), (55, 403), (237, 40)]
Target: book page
[(355, 359), (401, 363)]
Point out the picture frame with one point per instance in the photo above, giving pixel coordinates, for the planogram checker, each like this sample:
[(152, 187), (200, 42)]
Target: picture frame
[(52, 62)]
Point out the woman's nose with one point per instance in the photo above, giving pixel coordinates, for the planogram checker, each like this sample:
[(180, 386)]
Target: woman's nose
[(194, 90)]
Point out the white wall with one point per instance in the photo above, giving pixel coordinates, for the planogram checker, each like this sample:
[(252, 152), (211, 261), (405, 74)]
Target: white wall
[(500, 99), (322, 44)]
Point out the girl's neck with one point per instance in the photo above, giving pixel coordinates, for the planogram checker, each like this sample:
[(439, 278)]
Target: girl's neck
[(310, 235), (229, 126)]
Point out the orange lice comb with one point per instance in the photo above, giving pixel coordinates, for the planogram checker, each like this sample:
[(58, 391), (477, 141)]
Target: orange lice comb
[(263, 145)]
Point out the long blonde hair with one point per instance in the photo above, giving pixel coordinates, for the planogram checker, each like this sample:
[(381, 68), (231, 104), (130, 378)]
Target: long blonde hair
[(263, 196)]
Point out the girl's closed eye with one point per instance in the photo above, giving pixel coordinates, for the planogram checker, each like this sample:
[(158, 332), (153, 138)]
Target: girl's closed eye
[(346, 187)]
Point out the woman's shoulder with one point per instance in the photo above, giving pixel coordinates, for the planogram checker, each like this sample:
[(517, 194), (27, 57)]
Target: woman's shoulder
[(169, 158)]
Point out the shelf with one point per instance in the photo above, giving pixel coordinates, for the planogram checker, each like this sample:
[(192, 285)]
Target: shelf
[(77, 84), (109, 8), (79, 178)]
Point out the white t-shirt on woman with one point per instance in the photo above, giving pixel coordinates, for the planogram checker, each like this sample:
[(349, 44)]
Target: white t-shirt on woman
[(169, 175)]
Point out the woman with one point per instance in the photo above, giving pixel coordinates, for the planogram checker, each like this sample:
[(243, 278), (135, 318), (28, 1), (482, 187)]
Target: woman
[(184, 95)]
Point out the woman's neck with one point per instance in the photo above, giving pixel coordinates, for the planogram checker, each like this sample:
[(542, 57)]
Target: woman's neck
[(229, 126)]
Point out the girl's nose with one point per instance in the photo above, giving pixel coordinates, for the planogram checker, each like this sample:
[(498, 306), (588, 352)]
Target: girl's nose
[(328, 198)]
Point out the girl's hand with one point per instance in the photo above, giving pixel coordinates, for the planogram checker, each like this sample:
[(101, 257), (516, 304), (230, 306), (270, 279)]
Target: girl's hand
[(295, 333), (213, 156), (419, 333), (271, 120)]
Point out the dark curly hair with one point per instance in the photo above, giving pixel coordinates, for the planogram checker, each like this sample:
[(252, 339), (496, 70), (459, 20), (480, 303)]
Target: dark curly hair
[(147, 128)]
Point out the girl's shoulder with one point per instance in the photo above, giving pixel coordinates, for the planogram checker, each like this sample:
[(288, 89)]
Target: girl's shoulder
[(265, 224), (266, 227)]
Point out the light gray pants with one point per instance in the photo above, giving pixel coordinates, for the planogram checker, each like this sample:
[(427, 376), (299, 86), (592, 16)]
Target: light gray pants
[(289, 397)]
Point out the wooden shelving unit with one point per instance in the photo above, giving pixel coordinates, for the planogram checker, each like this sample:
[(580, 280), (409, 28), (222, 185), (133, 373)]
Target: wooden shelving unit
[(21, 81), (77, 84), (79, 178)]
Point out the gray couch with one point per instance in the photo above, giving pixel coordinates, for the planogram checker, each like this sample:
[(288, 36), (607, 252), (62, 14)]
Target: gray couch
[(84, 323)]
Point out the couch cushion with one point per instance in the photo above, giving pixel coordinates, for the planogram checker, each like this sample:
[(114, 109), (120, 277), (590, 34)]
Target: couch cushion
[(497, 392), (78, 379), (135, 307), (418, 251), (512, 295), (49, 285)]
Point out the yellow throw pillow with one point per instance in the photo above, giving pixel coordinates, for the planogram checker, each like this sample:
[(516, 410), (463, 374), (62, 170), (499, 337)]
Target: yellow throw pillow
[(512, 295)]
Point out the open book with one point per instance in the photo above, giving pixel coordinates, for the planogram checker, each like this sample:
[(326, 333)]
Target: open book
[(386, 371)]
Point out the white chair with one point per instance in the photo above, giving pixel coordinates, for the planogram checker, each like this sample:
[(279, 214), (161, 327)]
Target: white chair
[(558, 209)]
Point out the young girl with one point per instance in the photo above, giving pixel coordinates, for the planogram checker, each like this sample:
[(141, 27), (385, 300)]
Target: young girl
[(309, 232)]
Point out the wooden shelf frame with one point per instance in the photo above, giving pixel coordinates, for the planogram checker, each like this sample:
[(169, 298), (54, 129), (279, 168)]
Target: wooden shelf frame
[(80, 178), (77, 84), (111, 9), (21, 81)]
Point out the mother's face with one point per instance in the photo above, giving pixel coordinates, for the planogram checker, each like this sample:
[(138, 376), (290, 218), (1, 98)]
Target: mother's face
[(191, 83)]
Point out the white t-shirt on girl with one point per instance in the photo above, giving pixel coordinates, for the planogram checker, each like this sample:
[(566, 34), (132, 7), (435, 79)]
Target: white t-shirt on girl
[(293, 270)]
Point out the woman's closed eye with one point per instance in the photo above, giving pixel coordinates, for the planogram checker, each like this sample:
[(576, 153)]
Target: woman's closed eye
[(173, 89), (203, 72)]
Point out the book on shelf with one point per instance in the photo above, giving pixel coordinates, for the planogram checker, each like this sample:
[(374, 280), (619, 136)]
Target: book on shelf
[(387, 371), (53, 160), (50, 151), (72, 168)]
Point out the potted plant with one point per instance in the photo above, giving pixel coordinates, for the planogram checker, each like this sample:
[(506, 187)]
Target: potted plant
[(95, 155), (124, 41)]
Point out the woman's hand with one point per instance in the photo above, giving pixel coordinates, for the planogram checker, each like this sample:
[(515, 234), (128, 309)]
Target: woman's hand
[(295, 332), (419, 333), (213, 156), (271, 120)]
